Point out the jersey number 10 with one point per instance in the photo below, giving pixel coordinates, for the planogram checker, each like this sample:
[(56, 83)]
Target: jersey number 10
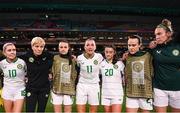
[(12, 73)]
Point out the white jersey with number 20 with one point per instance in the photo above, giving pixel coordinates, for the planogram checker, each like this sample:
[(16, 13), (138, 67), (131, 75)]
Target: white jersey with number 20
[(112, 79)]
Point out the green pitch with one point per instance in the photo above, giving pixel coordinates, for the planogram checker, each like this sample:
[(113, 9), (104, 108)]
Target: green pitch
[(49, 107)]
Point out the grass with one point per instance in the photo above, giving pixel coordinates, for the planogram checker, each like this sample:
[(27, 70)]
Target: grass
[(49, 107)]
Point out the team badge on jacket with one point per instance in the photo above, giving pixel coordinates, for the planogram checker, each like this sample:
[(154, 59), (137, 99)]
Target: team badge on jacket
[(31, 59), (175, 52)]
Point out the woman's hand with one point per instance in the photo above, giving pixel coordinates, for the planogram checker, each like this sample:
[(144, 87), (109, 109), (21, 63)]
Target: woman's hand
[(152, 44), (124, 56)]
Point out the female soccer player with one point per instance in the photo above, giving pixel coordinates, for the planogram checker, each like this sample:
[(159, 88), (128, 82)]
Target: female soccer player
[(64, 77), (112, 74), (88, 84), (14, 71), (167, 69), (138, 74)]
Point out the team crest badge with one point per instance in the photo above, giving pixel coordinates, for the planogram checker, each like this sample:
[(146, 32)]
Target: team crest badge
[(115, 66), (19, 66), (31, 59), (28, 94), (175, 52), (65, 68), (137, 66), (95, 62)]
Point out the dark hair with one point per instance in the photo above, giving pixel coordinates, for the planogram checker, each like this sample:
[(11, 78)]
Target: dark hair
[(136, 37), (166, 25), (69, 54), (115, 58), (65, 41)]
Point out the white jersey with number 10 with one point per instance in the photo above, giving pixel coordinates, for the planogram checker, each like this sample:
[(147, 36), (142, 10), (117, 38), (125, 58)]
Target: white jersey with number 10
[(14, 72)]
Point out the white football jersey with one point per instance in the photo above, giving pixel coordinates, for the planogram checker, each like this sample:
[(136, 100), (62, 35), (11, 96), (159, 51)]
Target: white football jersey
[(14, 72), (89, 68), (112, 78)]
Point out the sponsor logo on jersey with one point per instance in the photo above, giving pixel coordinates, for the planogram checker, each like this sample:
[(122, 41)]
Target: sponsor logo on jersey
[(158, 51), (31, 59), (95, 62), (115, 66), (44, 58), (175, 52)]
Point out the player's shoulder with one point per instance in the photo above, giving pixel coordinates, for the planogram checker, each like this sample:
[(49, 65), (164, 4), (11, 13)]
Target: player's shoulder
[(3, 61), (80, 56), (19, 60), (98, 54), (56, 57), (103, 62), (120, 63)]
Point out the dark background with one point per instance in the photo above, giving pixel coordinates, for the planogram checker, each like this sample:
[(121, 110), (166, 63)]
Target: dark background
[(108, 21)]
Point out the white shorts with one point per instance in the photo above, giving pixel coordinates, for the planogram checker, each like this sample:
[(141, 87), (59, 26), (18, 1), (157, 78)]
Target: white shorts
[(145, 104), (9, 93), (164, 97), (61, 99), (111, 101), (87, 92)]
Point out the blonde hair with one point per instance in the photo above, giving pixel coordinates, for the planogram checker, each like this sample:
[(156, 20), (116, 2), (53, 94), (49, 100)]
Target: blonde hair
[(37, 40), (7, 44), (166, 25)]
